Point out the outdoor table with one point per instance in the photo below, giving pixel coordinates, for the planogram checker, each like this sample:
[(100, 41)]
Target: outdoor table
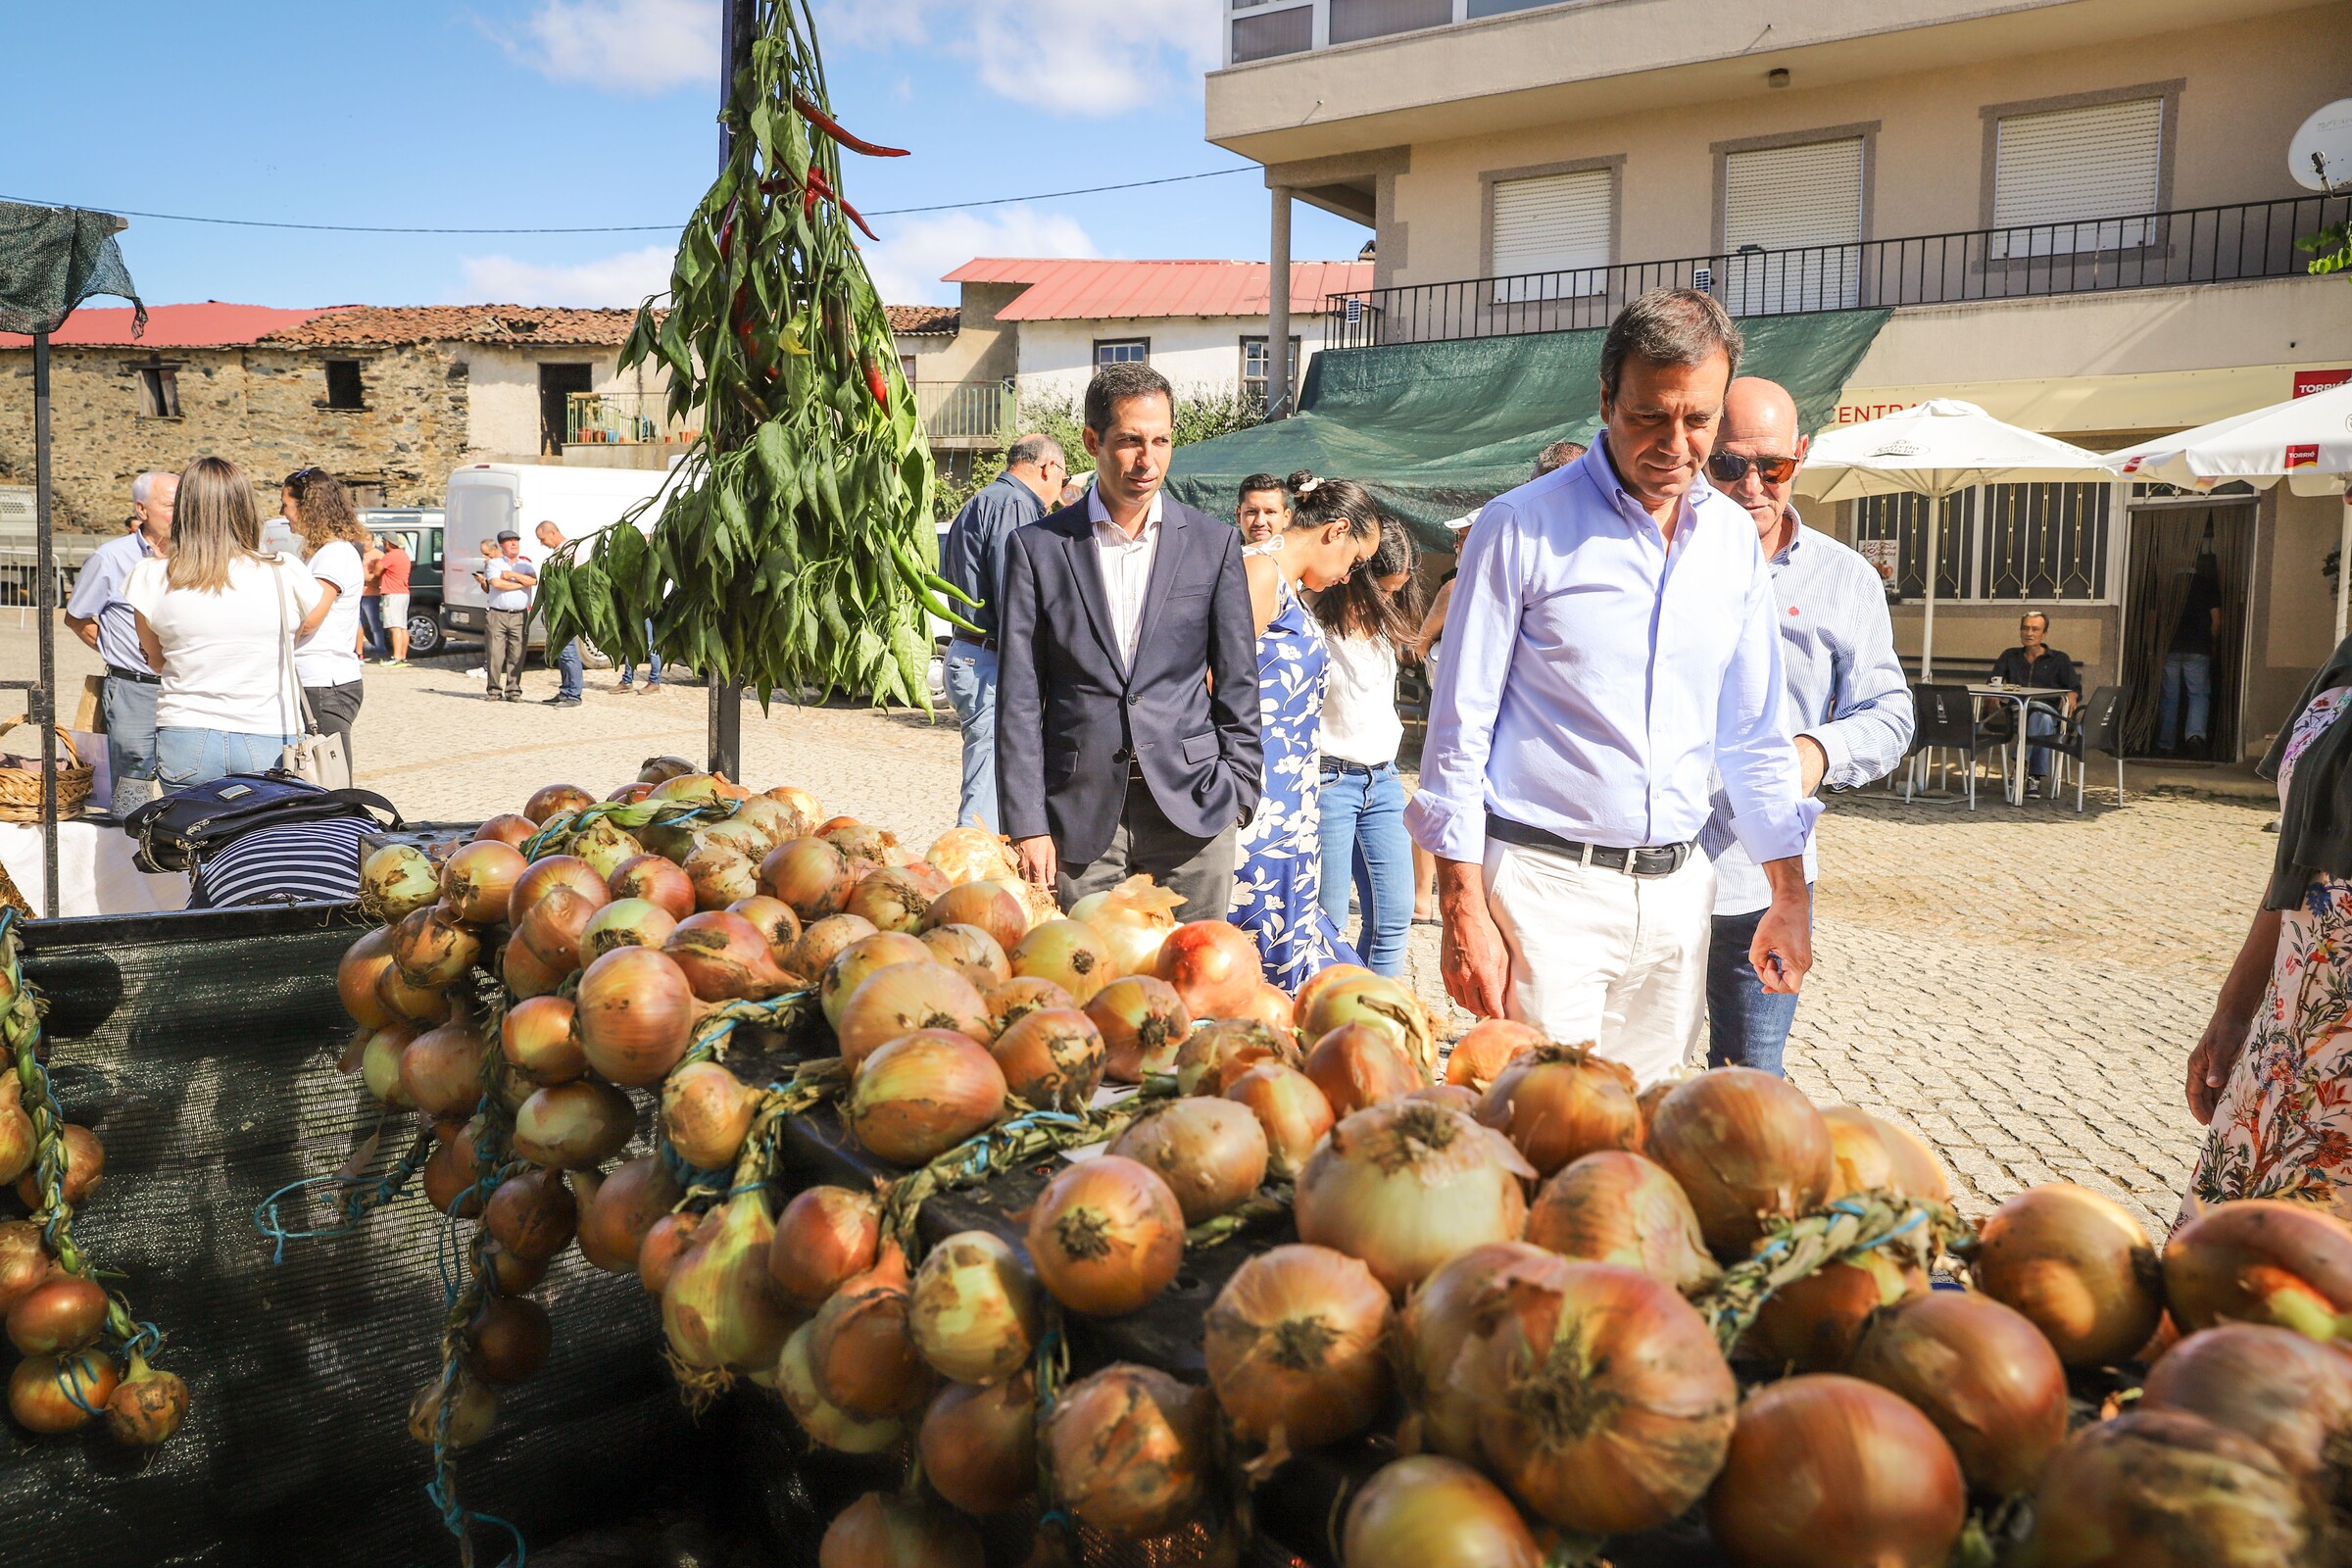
[(2020, 698), (95, 872)]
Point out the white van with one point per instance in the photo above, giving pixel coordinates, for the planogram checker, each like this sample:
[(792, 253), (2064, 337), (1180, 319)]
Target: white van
[(486, 498)]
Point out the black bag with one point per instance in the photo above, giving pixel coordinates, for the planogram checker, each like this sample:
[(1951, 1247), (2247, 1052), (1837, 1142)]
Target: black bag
[(178, 831)]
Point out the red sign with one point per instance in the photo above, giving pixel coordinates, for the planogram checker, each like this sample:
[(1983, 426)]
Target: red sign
[(1864, 413), (2303, 457), (2309, 381)]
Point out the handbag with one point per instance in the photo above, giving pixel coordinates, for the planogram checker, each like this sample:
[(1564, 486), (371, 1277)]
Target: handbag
[(175, 832), (313, 756)]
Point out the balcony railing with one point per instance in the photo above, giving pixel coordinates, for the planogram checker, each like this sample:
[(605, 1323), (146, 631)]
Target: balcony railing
[(1262, 29), (2092, 256), (620, 419), (966, 414)]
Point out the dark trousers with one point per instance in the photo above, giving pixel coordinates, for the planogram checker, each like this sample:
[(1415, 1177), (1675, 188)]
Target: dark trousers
[(1748, 1026), (1198, 869), (337, 708), (506, 642)]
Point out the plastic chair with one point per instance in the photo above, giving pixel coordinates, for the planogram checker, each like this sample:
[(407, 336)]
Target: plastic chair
[(2096, 725), (1947, 721)]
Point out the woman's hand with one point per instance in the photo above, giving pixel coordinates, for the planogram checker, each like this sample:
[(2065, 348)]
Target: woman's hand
[(2211, 1064), (2224, 1038)]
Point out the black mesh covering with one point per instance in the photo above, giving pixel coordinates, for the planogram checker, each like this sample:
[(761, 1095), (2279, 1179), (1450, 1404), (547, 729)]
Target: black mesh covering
[(52, 259)]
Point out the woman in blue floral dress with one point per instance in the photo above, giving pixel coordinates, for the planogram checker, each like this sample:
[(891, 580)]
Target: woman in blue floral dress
[(1334, 528)]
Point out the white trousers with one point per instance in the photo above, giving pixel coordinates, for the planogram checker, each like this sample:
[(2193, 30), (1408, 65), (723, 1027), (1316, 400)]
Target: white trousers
[(1600, 956)]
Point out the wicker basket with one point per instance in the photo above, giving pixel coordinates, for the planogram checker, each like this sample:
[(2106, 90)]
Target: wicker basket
[(21, 787)]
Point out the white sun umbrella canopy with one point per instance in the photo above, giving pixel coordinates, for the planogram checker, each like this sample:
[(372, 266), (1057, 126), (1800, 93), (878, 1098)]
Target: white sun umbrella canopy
[(1934, 448)]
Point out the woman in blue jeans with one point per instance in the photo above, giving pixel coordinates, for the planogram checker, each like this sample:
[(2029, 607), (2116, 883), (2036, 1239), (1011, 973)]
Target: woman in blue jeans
[(1366, 620)]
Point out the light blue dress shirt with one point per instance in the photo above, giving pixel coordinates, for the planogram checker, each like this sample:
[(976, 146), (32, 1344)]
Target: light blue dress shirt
[(1840, 682), (98, 596), (1596, 678)]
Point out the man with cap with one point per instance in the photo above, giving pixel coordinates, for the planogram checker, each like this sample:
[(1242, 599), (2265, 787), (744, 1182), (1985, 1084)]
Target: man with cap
[(508, 580)]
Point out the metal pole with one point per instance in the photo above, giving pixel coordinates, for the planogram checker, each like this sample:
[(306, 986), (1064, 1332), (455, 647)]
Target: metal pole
[(43, 704), (727, 697), (1277, 306), (1927, 629), (2343, 565)]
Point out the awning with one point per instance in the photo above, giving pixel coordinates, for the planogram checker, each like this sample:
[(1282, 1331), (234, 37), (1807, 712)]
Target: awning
[(1433, 429)]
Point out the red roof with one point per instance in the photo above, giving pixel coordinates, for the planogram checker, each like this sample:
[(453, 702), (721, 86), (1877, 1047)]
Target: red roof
[(1072, 290), (210, 324)]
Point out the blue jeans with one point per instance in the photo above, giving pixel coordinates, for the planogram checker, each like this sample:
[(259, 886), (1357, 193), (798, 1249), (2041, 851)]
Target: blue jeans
[(568, 669), (187, 758), (371, 627), (971, 682), (1365, 847), (2039, 721), (2191, 674), (628, 672), (1748, 1026), (129, 735)]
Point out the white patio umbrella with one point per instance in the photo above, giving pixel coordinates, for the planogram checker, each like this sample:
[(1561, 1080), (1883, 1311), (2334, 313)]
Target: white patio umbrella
[(1932, 450)]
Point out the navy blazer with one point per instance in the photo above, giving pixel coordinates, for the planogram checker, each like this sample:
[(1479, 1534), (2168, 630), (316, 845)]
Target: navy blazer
[(1070, 717)]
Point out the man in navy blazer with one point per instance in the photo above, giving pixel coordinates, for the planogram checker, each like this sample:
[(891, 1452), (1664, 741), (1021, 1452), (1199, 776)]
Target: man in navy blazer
[(1127, 689)]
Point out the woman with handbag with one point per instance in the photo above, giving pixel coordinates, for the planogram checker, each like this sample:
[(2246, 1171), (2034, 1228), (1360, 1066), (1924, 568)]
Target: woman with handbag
[(326, 645), (215, 619)]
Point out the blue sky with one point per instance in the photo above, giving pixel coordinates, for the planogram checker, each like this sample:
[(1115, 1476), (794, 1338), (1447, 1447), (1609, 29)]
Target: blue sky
[(572, 113)]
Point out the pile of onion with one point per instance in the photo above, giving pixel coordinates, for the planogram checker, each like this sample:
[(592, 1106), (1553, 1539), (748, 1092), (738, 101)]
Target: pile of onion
[(1143, 1025), (1484, 1050), (1982, 1373), (2261, 1260), (1406, 1184), (1130, 1450), (1618, 1207), (1134, 921), (2165, 1489), (1827, 1469), (972, 1309), (1294, 1113), (1294, 1343), (2288, 1393), (2077, 1266), (1105, 1235), (1561, 1103), (1214, 967), (979, 1444), (1430, 1512), (1435, 1325), (1211, 1152), (1745, 1145)]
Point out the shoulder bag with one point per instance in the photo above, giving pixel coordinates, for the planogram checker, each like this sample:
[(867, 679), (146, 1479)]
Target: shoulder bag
[(176, 832), (313, 757)]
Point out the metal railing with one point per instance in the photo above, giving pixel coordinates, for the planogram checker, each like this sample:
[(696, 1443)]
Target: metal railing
[(2090, 256), (977, 413), (619, 419), (1264, 29)]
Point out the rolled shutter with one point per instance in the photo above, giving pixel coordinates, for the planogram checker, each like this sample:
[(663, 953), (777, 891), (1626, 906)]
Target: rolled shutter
[(1553, 222), (2053, 170), (1801, 207)]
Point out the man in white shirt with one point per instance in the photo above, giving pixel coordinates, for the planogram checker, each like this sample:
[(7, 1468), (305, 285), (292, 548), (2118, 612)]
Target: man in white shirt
[(508, 580), (102, 617)]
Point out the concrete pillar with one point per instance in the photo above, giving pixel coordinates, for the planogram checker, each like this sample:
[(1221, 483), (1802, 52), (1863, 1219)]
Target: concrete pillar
[(1278, 307)]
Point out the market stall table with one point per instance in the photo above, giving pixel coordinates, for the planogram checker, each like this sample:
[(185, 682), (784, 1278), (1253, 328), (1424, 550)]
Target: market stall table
[(2021, 697), (95, 871)]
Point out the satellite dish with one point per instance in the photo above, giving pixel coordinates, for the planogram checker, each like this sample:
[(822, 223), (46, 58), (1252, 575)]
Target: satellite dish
[(2320, 154)]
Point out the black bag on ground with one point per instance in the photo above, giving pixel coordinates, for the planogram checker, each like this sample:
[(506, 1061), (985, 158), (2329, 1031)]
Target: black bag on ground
[(178, 831)]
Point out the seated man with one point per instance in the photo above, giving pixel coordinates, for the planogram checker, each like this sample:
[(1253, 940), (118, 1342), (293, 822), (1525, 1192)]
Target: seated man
[(2038, 664)]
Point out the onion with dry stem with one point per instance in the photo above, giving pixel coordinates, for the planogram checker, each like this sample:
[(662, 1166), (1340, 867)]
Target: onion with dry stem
[(1747, 1146), (1220, 1051), (1617, 1207), (2078, 1265), (1405, 1185), (1144, 1024), (1211, 1152), (1022, 995), (1437, 1322), (1561, 1103), (1105, 1235), (1294, 1113), (1295, 1344), (1130, 1450), (1053, 1059)]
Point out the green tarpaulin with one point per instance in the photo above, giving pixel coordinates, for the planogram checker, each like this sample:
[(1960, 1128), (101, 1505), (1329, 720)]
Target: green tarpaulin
[(52, 259), (1434, 429)]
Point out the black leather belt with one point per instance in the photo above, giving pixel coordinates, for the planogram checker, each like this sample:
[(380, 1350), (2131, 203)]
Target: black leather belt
[(117, 672), (1651, 860), (1341, 764), (989, 643)]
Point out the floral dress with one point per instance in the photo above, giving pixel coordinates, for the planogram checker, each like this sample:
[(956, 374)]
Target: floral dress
[(2283, 1125), (1278, 891)]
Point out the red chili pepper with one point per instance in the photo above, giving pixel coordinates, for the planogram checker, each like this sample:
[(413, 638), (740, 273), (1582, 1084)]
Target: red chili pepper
[(875, 381), (819, 186), (831, 127)]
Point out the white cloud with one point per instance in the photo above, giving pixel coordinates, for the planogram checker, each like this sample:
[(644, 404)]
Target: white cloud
[(623, 279), (1066, 56), (907, 264), (626, 46)]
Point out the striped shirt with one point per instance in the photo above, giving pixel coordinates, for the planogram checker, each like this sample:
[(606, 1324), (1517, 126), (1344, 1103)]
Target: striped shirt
[(293, 862)]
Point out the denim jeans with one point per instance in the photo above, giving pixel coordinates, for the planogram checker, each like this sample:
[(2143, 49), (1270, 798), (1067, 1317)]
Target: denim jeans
[(187, 758), (971, 682), (2193, 674), (1365, 847), (568, 667), (129, 739), (1748, 1026), (2040, 720), (371, 627), (628, 672)]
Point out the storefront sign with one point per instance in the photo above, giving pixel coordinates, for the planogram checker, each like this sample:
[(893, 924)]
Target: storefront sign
[(2303, 457), (2309, 381), (1864, 413)]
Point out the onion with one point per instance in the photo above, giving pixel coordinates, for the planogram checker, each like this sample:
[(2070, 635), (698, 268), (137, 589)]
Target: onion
[(717, 1309), (452, 1173), (1144, 1024), (2078, 1265), (38, 1394), (472, 1414), (1826, 1471), (863, 957), (1008, 1004), (1034, 898), (972, 1309), (1984, 1374), (922, 1093), (1219, 1052), (631, 793), (1294, 1345), (1211, 1152), (574, 1126), (902, 998), (707, 1113), (1271, 1006), (422, 1005), (661, 769), (667, 1241), (508, 828), (85, 1168), (1406, 1184), (535, 1037), (986, 905), (525, 973), (1293, 1112), (1357, 1065), (478, 881), (979, 1444), (726, 959), (147, 1406), (1068, 954), (820, 943), (825, 1423), (1130, 1450), (1105, 1235), (396, 879), (1870, 1152), (1133, 919), (379, 1068), (971, 953), (1485, 1046), (825, 1236), (1429, 1512), (1814, 1323), (549, 799), (441, 1070), (887, 1530), (656, 880), (605, 847), (774, 921), (2263, 1260), (1322, 980), (969, 854), (1381, 1003), (509, 1339), (776, 822), (635, 1014), (698, 789), (1561, 1103), (543, 877), (859, 841), (799, 801), (2165, 1489), (1615, 1207), (809, 875), (356, 975), (1747, 1147), (433, 949), (24, 1260), (1213, 965), (633, 1200), (1052, 1059), (720, 875), (859, 1350), (62, 1313), (890, 898), (532, 1214), (2287, 1392), (1435, 1325)]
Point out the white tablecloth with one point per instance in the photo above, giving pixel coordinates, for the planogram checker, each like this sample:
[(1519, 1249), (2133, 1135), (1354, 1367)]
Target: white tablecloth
[(94, 870)]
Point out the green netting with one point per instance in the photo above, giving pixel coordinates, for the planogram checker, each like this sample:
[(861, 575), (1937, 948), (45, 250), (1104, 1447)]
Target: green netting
[(52, 259), (1434, 429)]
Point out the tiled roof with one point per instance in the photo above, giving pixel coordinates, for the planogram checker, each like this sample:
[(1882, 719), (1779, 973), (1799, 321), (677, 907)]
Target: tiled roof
[(357, 325), (921, 320), (1070, 290), (210, 324)]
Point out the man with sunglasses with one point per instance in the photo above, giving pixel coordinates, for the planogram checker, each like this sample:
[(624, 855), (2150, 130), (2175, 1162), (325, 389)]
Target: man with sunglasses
[(1844, 700)]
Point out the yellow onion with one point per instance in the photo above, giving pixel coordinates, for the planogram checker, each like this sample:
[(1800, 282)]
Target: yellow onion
[(716, 1308), (1294, 1113), (509, 1339), (356, 975), (971, 854), (1294, 1345), (1068, 954), (1052, 1059), (402, 1003), (544, 876), (859, 841), (1144, 1024), (971, 953), (825, 1236), (532, 1214), (1747, 1146), (471, 1414), (1322, 980), (1105, 1235), (396, 879), (1133, 919), (1219, 1052), (2263, 1260), (525, 974), (607, 847), (2165, 1489), (1035, 897), (667, 1241), (972, 1309), (738, 836), (986, 907), (24, 1260), (1378, 1003), (696, 788), (1814, 1323), (1406, 1184), (800, 802), (1424, 1511), (85, 1168), (719, 876), (902, 998), (1561, 1103), (922, 1093), (978, 1445), (859, 1348), (1357, 1065), (1129, 1449), (1008, 1004), (809, 874), (614, 1226), (508, 827), (550, 800), (1833, 1472), (1435, 1325), (653, 879), (890, 898), (478, 881), (379, 1070), (1211, 1152), (63, 1312), (147, 1406), (433, 949), (1271, 1006), (1485, 1048), (535, 1037), (890, 1530), (441, 1070), (48, 1394), (826, 1424), (862, 958), (1871, 1155), (2286, 1391), (820, 943), (1984, 1374), (1213, 965), (635, 1014), (776, 823), (725, 957), (1618, 1207), (707, 1113), (574, 1126), (452, 1172), (2078, 1265)]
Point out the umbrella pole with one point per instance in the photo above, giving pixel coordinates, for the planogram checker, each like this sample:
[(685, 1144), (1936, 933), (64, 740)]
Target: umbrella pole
[(43, 706), (1927, 630), (2343, 567)]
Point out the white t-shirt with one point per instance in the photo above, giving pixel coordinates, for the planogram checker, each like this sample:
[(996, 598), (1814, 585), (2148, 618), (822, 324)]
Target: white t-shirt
[(511, 598), (222, 666), (329, 655), (1359, 701)]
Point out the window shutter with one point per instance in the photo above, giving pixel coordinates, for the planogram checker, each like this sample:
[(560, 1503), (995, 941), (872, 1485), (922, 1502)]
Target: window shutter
[(1553, 222), (2068, 164), (1782, 198)]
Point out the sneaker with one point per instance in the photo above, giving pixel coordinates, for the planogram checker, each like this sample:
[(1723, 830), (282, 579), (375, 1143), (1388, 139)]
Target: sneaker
[(2033, 789), (650, 687), (559, 699), (625, 686), (395, 663)]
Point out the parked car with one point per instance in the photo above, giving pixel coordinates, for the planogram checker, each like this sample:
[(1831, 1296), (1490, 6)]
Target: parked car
[(420, 529)]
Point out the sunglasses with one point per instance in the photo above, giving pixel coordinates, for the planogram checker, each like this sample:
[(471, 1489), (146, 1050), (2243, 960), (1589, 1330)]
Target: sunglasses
[(300, 475), (1725, 468)]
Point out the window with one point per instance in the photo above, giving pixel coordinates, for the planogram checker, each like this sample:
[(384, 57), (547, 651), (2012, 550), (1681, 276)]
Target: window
[(1801, 208), (1554, 225), (1122, 351), (343, 389), (1998, 542), (159, 392), (907, 367), (1254, 368), (1353, 20), (1278, 32), (2057, 173)]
